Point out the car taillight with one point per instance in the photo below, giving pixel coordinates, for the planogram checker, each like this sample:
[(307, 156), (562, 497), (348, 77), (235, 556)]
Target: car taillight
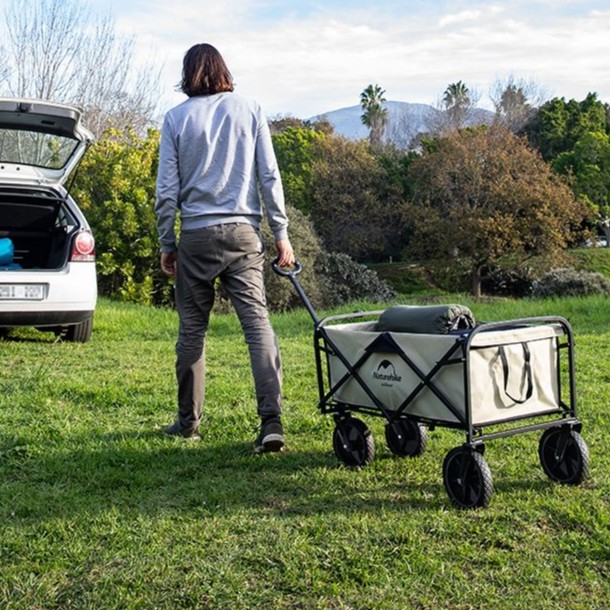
[(83, 247)]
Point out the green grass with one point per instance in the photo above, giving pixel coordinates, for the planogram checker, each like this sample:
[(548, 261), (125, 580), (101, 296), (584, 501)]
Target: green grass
[(405, 278), (98, 510), (591, 259)]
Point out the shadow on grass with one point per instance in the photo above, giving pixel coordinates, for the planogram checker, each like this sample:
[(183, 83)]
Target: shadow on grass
[(145, 473), (32, 336)]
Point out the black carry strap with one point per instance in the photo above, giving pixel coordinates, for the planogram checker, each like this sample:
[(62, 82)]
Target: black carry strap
[(527, 367)]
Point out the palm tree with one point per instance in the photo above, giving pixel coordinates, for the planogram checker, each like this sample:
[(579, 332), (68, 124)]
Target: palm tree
[(374, 115), (456, 94), (457, 102)]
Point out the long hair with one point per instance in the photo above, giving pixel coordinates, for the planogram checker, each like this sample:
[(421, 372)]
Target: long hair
[(204, 71)]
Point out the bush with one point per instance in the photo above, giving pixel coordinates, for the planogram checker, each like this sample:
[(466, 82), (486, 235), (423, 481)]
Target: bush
[(281, 295), (345, 280), (508, 282), (116, 190), (569, 282), (328, 280)]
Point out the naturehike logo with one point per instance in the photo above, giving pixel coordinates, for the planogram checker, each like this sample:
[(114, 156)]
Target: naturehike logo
[(386, 372)]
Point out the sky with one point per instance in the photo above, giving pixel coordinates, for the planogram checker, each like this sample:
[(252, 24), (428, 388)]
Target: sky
[(306, 57)]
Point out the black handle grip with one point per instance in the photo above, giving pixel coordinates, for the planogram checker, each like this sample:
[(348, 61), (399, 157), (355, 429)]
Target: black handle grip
[(287, 271), (291, 273)]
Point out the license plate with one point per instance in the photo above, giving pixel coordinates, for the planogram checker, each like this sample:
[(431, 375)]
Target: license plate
[(22, 292)]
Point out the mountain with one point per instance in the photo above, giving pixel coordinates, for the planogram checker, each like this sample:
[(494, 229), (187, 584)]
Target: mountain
[(405, 121)]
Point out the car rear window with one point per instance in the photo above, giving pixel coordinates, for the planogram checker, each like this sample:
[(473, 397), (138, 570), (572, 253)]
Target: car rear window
[(35, 148)]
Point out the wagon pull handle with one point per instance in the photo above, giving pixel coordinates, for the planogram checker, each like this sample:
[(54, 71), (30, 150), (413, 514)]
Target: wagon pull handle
[(291, 273), (287, 271)]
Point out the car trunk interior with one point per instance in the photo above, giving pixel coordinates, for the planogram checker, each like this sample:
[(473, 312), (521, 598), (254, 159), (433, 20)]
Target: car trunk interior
[(39, 225)]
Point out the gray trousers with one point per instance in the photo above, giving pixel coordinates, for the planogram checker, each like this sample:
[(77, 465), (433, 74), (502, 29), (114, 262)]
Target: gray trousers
[(233, 253)]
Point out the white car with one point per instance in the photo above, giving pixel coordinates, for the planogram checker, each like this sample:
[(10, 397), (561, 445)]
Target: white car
[(47, 251)]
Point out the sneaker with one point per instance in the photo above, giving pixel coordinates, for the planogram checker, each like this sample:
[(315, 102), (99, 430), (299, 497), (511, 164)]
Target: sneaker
[(271, 436), (176, 429)]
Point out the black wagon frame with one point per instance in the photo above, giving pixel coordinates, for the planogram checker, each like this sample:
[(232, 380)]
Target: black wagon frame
[(563, 453)]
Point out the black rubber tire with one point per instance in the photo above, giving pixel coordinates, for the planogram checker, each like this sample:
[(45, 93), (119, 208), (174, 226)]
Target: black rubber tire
[(79, 333), (405, 437), (467, 478), (353, 443), (564, 456)]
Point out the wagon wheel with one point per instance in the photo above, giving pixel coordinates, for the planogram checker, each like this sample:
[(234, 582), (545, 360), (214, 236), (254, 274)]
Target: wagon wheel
[(467, 478), (353, 442), (406, 437), (564, 455)]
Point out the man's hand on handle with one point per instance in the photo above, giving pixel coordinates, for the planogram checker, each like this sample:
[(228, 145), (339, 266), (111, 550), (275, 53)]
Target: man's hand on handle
[(285, 253)]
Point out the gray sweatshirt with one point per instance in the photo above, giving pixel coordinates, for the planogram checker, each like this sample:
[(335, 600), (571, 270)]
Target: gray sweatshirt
[(215, 155)]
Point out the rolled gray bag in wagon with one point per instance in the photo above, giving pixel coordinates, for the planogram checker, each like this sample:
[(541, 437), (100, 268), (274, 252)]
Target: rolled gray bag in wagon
[(513, 372)]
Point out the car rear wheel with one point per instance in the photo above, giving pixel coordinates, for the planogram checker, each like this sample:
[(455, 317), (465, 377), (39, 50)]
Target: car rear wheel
[(79, 333)]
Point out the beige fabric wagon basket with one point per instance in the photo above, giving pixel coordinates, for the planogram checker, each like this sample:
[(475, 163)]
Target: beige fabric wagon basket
[(501, 385)]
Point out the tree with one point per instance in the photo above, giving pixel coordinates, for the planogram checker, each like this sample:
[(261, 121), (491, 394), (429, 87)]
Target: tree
[(457, 102), (404, 125), (456, 95), (516, 102), (374, 115), (455, 111), (4, 69), (558, 124), (482, 194), (59, 50), (573, 137), (295, 148), (353, 209), (588, 166), (282, 122)]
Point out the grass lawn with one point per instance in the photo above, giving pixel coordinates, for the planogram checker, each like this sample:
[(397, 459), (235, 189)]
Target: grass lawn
[(99, 511)]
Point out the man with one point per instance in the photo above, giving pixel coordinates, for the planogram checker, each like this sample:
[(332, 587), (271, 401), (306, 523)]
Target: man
[(215, 157)]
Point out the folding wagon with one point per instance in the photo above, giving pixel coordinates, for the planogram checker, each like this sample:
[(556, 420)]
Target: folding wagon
[(486, 380)]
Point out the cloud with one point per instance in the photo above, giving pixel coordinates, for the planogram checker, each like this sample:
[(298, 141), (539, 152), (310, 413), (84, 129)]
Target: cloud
[(318, 56), (459, 18)]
